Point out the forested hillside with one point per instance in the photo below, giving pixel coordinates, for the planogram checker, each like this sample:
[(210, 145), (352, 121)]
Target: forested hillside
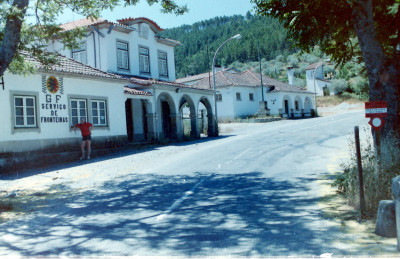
[(200, 41)]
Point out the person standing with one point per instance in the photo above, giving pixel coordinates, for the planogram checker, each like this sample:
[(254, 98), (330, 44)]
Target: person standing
[(86, 129)]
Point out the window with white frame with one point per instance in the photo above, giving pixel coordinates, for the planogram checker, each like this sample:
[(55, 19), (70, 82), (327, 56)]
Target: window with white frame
[(79, 53), (78, 110), (122, 55), (99, 113), (144, 60), (162, 64), (25, 111)]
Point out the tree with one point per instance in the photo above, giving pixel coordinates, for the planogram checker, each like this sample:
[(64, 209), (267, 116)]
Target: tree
[(16, 36), (365, 30)]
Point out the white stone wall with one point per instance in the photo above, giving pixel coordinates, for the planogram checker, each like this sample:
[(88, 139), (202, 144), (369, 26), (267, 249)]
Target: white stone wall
[(319, 84), (106, 52), (52, 132)]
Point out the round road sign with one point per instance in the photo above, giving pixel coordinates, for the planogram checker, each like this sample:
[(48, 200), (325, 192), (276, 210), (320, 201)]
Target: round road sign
[(377, 122)]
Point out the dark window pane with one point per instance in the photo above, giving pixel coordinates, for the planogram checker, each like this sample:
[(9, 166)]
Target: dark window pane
[(95, 113), (18, 101), (19, 111), (74, 112), (94, 105), (29, 102), (19, 121), (95, 120), (74, 104), (31, 121), (102, 105), (82, 112), (30, 111)]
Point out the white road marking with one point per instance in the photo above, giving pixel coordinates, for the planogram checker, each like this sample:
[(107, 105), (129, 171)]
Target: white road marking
[(238, 156), (181, 199)]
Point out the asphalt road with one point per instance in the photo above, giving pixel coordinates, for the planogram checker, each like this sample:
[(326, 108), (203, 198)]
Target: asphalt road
[(255, 191)]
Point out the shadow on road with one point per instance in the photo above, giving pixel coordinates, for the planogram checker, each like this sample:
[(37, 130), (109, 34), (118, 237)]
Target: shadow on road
[(234, 214), (112, 153)]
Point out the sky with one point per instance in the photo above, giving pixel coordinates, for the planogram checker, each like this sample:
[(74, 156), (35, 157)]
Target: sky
[(198, 10)]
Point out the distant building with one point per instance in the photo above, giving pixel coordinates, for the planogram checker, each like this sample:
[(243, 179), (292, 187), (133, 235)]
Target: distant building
[(239, 95), (322, 86)]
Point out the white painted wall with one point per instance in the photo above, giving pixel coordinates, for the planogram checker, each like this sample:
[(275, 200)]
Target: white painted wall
[(112, 92), (229, 108), (319, 84), (225, 107), (245, 107), (106, 52)]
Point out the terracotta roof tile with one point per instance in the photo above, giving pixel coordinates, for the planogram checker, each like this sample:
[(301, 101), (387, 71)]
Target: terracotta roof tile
[(315, 65), (134, 91), (68, 65), (249, 79), (80, 23), (140, 19)]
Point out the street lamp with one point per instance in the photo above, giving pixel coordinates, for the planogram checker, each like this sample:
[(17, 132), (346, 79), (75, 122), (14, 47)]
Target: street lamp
[(315, 89), (236, 37)]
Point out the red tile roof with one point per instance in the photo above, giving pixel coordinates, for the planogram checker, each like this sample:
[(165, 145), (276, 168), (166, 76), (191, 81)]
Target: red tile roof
[(315, 65), (81, 23), (247, 78), (70, 66), (138, 20), (133, 91), (89, 22)]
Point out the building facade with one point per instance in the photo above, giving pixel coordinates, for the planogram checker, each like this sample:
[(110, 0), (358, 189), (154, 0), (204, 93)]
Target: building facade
[(239, 95), (120, 78), (316, 81)]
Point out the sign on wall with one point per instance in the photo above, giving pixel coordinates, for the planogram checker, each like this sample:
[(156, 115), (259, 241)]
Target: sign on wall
[(54, 108)]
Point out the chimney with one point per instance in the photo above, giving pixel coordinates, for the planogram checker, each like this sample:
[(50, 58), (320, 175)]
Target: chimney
[(290, 74)]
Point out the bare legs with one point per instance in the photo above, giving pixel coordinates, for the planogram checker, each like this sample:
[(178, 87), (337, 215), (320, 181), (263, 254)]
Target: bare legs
[(89, 150)]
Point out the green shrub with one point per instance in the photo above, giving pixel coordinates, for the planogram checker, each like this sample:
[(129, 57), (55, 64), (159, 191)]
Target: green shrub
[(339, 86), (377, 173)]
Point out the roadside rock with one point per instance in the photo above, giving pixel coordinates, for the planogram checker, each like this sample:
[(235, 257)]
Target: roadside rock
[(386, 220)]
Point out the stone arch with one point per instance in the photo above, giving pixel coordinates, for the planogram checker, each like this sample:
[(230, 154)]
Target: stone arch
[(299, 102), (211, 120), (167, 122), (187, 111)]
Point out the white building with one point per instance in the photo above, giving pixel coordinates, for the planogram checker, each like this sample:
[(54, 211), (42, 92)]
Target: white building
[(121, 79), (239, 95), (316, 81)]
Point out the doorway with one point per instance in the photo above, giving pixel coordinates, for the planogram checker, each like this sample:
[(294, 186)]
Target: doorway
[(129, 119), (166, 119), (287, 107)]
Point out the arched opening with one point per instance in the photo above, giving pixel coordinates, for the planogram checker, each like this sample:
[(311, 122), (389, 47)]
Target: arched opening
[(205, 113), (188, 117), (166, 109), (298, 106)]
